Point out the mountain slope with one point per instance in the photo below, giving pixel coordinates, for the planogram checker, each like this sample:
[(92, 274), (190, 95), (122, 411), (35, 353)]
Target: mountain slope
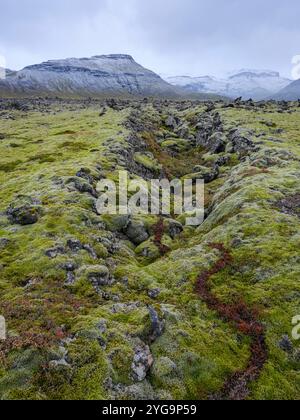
[(6, 72), (290, 92), (253, 84), (114, 74)]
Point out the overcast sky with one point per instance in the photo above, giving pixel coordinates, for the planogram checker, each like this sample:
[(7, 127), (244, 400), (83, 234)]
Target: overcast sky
[(174, 37)]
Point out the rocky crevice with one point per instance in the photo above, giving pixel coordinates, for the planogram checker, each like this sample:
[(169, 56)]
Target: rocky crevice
[(211, 135)]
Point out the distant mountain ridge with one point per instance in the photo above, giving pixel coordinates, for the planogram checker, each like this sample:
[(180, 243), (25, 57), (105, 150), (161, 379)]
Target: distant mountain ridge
[(290, 92), (100, 74), (255, 84), (120, 74)]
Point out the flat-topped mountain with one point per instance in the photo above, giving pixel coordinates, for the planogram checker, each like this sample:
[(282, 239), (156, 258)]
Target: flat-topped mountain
[(255, 84), (113, 74)]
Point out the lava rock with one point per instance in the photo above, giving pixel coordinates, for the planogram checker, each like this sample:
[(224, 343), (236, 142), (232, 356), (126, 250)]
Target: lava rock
[(82, 186), (54, 252), (290, 205), (157, 325), (136, 232), (142, 362), (71, 278), (286, 345), (154, 293), (223, 160), (69, 266), (216, 143), (91, 251), (172, 122), (4, 243), (24, 215), (173, 227), (183, 131), (85, 174), (75, 245), (99, 276), (242, 142)]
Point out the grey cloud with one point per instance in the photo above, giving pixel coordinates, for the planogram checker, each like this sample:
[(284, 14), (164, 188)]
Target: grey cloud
[(169, 36)]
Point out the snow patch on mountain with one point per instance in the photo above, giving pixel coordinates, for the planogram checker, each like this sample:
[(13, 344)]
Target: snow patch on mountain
[(255, 84)]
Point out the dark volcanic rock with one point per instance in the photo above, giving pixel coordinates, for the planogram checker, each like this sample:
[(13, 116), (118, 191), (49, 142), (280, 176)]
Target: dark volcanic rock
[(4, 243), (286, 345), (75, 245), (207, 174), (137, 232), (85, 174), (242, 142), (154, 293), (210, 132), (157, 325), (216, 143), (172, 122), (290, 205), (54, 252), (24, 211), (99, 276), (82, 186), (24, 215)]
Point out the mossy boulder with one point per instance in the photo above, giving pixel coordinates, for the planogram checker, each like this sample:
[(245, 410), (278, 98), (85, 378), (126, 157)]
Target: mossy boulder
[(98, 275), (136, 232), (24, 211), (148, 250), (163, 367), (116, 223), (82, 185), (148, 161), (215, 143), (173, 227)]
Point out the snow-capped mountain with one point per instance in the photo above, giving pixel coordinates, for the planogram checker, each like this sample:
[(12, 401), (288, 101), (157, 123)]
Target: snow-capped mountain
[(255, 84), (113, 74)]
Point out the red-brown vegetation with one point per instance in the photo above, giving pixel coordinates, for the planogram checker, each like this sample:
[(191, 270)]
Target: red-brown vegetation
[(245, 320)]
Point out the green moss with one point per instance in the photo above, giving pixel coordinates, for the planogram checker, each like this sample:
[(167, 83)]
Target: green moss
[(148, 162), (197, 351), (10, 167), (176, 145)]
